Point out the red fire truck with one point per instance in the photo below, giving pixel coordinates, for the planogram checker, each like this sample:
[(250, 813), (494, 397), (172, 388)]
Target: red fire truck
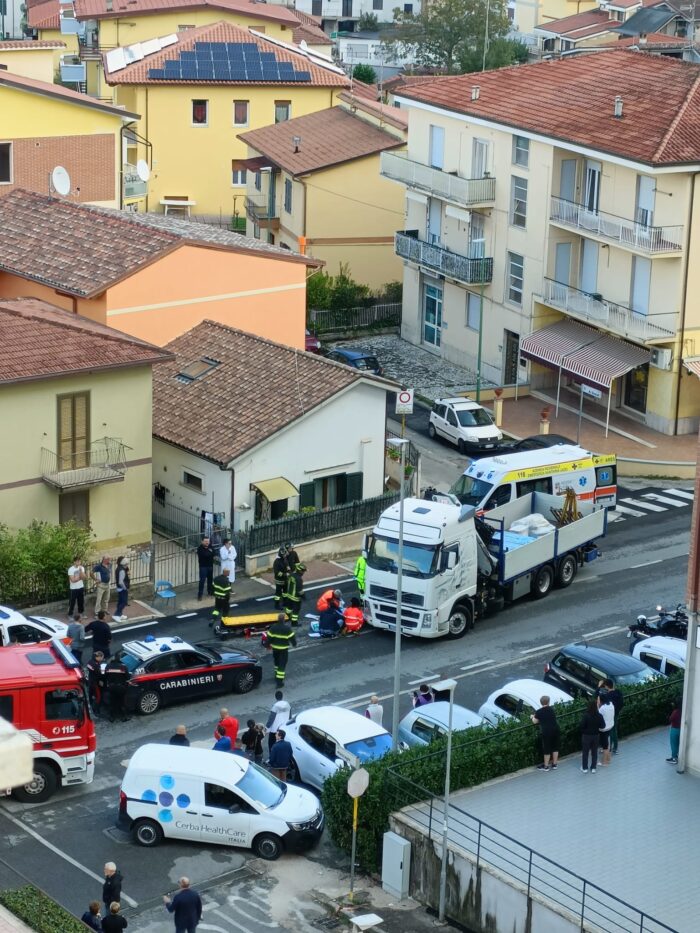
[(43, 693)]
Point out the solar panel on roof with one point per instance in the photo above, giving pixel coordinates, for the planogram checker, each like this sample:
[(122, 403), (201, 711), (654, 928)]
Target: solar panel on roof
[(204, 46), (302, 76), (156, 74), (270, 72), (267, 57)]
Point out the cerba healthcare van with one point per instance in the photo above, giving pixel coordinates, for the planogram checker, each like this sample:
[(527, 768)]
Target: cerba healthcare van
[(214, 797)]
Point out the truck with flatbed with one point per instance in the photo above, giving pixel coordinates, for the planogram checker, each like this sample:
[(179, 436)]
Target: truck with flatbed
[(458, 567)]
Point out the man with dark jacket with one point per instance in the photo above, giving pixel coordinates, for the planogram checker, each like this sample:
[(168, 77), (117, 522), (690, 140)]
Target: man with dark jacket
[(101, 634), (222, 594), (280, 637), (205, 559), (116, 680), (281, 755), (294, 593), (179, 737), (280, 571), (95, 681), (330, 622), (186, 907), (112, 888)]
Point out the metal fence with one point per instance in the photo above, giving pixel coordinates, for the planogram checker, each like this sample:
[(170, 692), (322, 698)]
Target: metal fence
[(412, 452), (188, 528), (266, 536), (384, 315)]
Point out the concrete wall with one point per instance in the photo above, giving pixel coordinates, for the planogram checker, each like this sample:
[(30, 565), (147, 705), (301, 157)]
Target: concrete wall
[(350, 542), (169, 466)]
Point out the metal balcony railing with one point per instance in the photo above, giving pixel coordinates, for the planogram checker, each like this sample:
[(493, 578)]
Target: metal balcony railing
[(104, 461), (444, 261), (616, 318), (72, 69), (627, 233), (464, 191), (259, 209), (134, 187)]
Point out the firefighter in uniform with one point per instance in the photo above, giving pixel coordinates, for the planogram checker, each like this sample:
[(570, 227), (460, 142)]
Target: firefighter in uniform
[(280, 636), (294, 592), (222, 594), (280, 571)]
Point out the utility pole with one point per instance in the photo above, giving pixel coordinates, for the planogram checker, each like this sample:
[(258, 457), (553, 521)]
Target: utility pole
[(689, 753)]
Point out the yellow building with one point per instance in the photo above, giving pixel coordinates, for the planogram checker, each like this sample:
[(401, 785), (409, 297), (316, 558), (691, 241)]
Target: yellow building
[(317, 188), (30, 58), (76, 398), (46, 22), (45, 125), (194, 99), (528, 14), (553, 229)]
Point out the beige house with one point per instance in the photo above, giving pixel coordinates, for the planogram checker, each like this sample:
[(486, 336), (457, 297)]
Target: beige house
[(552, 229), (314, 186)]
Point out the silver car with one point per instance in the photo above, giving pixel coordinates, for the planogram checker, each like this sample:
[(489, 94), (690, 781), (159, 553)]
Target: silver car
[(426, 723)]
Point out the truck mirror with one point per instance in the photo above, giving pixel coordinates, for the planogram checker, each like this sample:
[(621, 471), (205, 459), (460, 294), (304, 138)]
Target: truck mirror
[(451, 560), (365, 543)]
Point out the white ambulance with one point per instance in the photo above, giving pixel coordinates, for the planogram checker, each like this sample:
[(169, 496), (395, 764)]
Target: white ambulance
[(494, 481), (214, 797)]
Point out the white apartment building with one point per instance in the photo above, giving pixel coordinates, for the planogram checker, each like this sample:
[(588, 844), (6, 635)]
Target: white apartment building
[(339, 15), (551, 218)]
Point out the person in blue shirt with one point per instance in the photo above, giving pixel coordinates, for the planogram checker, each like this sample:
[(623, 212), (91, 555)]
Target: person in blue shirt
[(223, 743), (281, 755), (186, 907)]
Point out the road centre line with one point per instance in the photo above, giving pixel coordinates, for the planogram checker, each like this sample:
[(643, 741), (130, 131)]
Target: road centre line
[(538, 648), (64, 855), (424, 680), (647, 563), (469, 667), (605, 631), (187, 615)]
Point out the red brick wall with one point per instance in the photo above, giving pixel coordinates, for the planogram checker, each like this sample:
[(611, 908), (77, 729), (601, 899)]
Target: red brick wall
[(89, 161)]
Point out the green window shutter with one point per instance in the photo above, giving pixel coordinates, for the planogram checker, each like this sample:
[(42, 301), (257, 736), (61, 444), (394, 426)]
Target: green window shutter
[(307, 495), (354, 487)]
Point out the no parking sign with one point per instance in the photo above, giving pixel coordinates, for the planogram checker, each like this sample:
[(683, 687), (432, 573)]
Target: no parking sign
[(404, 402)]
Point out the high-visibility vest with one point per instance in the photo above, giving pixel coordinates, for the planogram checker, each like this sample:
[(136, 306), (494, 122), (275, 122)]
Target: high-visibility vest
[(354, 619), (359, 572), (324, 601)]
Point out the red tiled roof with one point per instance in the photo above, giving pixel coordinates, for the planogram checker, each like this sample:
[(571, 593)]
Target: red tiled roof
[(10, 45), (44, 15), (571, 99), (46, 89), (394, 116), (97, 9), (309, 30), (595, 20), (328, 137), (40, 341), (213, 416), (391, 84), (653, 40), (367, 91), (137, 73)]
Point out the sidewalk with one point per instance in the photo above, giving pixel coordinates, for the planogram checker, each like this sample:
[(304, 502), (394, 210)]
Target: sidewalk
[(11, 924)]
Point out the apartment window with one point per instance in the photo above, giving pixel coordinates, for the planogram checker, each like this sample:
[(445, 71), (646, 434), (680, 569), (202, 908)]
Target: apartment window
[(288, 195), (377, 4), (185, 28), (316, 7), (192, 481), (518, 201), (239, 177), (641, 284), (521, 151), (200, 113), (240, 112), (283, 110), (473, 311), (437, 146), (408, 8), (432, 315), (516, 265), (73, 430), (258, 181), (5, 163)]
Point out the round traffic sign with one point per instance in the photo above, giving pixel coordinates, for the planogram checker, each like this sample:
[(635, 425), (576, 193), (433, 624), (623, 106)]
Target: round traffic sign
[(358, 782), (405, 397)]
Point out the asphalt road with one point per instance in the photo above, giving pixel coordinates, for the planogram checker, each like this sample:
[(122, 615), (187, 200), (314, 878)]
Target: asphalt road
[(63, 844)]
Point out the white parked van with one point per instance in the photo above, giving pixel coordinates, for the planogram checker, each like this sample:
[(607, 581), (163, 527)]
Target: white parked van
[(494, 481), (666, 655), (211, 796)]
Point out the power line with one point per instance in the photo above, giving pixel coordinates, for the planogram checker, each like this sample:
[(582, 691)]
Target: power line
[(355, 200)]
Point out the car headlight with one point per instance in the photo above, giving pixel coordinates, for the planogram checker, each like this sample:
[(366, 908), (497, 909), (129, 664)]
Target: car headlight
[(428, 618), (471, 437), (297, 827)]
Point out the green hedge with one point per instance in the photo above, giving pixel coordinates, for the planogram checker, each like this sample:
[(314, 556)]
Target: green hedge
[(398, 780), (39, 912)]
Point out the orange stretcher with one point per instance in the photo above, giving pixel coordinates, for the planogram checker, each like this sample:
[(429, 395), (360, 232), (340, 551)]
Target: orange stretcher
[(244, 625)]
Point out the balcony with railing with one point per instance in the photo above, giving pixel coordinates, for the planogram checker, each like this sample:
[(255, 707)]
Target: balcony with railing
[(628, 234), (615, 318), (262, 211), (443, 261), (467, 192), (103, 461), (133, 185), (72, 69)]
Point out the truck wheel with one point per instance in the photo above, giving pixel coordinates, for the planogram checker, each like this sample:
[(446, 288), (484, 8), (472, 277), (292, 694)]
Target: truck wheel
[(148, 703), (41, 787), (268, 846), (460, 621), (244, 682), (148, 833), (543, 581), (566, 572)]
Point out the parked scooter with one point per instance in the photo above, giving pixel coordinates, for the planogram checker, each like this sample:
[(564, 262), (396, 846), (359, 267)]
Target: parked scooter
[(673, 624)]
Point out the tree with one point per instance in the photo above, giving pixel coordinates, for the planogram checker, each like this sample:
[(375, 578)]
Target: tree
[(368, 22), (446, 32), (364, 73), (500, 52)]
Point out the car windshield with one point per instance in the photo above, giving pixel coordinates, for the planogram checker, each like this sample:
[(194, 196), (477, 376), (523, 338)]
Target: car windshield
[(262, 787), (637, 677), (471, 491), (473, 417), (366, 362), (371, 748), (210, 652), (418, 560), (130, 661)]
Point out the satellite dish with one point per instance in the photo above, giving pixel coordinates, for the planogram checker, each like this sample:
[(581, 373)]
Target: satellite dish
[(60, 181), (142, 170)]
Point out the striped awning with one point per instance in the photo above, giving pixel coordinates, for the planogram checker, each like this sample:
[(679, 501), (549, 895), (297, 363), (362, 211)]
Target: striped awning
[(693, 365), (584, 353)]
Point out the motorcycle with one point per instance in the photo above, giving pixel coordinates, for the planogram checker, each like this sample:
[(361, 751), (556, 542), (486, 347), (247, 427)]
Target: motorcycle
[(673, 624)]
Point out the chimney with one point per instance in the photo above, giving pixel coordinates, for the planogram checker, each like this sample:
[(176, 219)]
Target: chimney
[(617, 108), (476, 91), (297, 142), (109, 4)]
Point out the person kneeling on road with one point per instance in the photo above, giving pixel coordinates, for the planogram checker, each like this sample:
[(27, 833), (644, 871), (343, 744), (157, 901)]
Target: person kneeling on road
[(353, 618), (330, 622)]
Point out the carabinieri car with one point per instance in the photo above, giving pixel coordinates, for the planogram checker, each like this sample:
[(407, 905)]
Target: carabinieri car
[(169, 670)]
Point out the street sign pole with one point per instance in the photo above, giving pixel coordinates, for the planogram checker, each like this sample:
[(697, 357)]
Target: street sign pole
[(580, 415), (358, 782)]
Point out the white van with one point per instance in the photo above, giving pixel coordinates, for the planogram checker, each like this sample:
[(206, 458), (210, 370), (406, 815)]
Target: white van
[(206, 796), (666, 655), (494, 481)]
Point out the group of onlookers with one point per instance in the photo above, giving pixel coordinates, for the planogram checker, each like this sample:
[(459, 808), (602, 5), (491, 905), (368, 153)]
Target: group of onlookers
[(102, 577)]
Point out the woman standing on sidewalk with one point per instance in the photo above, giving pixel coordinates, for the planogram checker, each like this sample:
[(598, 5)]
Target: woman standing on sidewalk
[(591, 724), (674, 732)]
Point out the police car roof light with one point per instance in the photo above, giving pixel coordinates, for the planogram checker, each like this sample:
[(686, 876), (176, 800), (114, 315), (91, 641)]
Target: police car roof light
[(165, 648), (176, 640), (150, 638)]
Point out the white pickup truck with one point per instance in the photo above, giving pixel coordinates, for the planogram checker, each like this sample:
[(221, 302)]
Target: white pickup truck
[(457, 568)]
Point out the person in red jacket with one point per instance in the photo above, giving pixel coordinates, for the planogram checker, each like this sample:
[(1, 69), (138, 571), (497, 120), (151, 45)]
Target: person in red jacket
[(329, 598), (353, 618), (229, 724)]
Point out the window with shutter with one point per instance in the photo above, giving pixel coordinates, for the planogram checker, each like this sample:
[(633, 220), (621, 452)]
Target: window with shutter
[(307, 496), (353, 487), (73, 434)]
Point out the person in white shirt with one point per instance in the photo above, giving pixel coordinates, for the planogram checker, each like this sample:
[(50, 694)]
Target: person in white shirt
[(280, 714), (227, 556), (607, 711), (375, 710), (76, 582)]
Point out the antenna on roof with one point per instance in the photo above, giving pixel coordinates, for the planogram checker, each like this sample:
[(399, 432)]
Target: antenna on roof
[(617, 107), (59, 181), (142, 170), (297, 142), (476, 91)]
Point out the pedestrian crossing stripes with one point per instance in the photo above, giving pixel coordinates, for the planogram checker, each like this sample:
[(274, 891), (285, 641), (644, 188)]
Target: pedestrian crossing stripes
[(643, 504)]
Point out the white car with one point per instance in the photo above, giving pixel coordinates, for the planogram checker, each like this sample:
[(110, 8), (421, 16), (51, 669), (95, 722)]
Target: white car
[(28, 630), (518, 697), (327, 738), (666, 655), (426, 723), (465, 423)]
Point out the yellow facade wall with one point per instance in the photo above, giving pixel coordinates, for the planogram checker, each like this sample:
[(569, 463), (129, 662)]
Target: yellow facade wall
[(531, 13), (120, 406), (35, 63), (195, 161), (55, 35)]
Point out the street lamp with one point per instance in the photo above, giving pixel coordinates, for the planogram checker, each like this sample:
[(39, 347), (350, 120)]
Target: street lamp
[(439, 687), (398, 442)]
